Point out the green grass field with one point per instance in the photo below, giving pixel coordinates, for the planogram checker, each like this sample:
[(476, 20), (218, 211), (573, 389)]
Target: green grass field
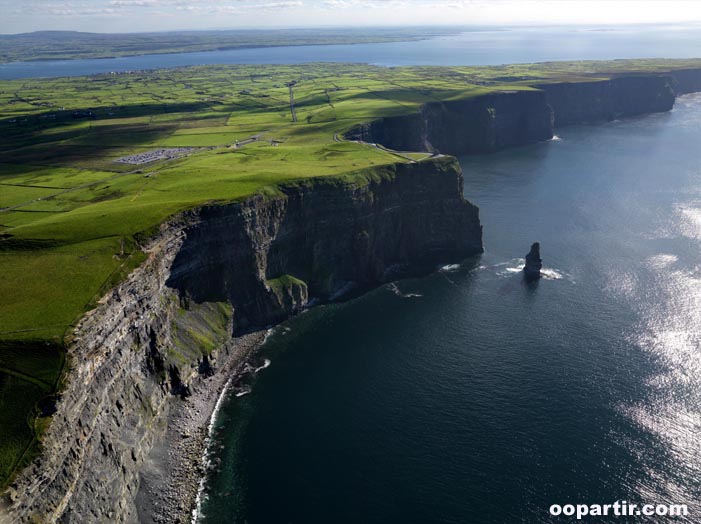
[(70, 215)]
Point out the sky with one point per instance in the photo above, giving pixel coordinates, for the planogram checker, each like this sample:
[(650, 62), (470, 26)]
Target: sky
[(163, 15)]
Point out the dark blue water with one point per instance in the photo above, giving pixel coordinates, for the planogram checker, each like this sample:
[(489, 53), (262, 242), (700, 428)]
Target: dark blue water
[(503, 46), (470, 397)]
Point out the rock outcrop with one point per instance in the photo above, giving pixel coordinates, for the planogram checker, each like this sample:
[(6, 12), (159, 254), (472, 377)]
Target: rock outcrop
[(534, 264), (212, 272)]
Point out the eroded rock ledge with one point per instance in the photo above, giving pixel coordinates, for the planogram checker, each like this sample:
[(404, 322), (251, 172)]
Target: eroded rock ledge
[(211, 273)]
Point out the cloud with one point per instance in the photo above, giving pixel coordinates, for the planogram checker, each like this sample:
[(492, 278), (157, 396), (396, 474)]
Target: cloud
[(125, 8), (149, 15), (241, 6), (58, 8)]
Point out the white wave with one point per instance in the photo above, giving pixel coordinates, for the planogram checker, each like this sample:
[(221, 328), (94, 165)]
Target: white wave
[(449, 268), (265, 365), (394, 289), (201, 494), (243, 391), (505, 269), (266, 336), (551, 274), (516, 265), (206, 463)]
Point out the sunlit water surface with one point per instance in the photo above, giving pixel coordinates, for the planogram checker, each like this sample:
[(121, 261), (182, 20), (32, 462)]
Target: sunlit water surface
[(470, 397)]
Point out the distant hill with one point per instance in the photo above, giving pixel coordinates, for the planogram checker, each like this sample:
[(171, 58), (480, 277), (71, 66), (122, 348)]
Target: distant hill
[(68, 45)]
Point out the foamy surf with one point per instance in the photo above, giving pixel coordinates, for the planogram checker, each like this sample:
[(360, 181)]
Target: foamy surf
[(516, 265), (266, 364), (243, 392), (394, 289), (506, 269), (206, 462), (551, 274)]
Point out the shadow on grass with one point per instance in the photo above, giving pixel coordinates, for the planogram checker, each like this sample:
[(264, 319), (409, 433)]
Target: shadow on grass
[(29, 379)]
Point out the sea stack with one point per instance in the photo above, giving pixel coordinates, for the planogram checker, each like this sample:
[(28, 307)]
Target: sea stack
[(533, 263)]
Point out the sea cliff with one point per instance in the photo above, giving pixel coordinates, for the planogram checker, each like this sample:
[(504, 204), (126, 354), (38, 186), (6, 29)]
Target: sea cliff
[(481, 124), (687, 80), (487, 123), (606, 100), (213, 273)]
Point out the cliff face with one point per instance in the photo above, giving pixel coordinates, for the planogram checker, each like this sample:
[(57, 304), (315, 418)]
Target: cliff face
[(212, 272), (687, 80), (488, 123), (605, 100), (482, 124), (316, 244)]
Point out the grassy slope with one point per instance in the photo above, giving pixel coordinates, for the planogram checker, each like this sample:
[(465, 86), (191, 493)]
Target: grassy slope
[(71, 214)]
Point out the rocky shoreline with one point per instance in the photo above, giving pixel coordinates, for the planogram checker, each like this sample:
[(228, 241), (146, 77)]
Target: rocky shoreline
[(173, 471)]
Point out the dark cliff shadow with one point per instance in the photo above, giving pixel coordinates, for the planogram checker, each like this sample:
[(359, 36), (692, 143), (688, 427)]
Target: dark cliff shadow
[(530, 285)]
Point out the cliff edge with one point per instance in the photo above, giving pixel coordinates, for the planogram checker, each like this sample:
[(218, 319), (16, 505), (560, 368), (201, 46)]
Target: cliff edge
[(495, 121), (213, 272), (481, 124)]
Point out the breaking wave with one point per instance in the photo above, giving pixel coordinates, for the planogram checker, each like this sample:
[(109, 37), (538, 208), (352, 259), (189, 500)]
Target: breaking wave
[(394, 289), (516, 265)]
